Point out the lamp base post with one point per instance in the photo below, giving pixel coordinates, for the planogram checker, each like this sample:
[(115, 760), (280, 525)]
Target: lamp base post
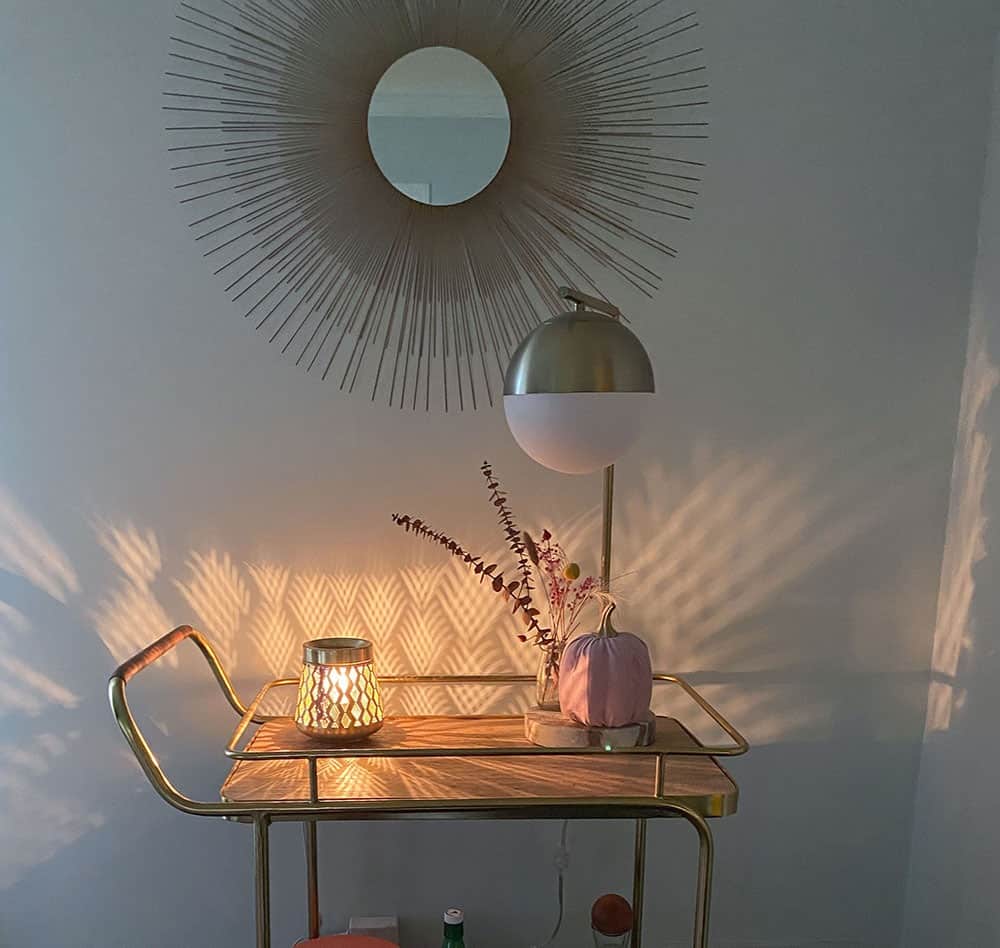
[(608, 513)]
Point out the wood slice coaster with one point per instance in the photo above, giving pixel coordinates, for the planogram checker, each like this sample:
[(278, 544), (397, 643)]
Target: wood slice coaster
[(555, 729)]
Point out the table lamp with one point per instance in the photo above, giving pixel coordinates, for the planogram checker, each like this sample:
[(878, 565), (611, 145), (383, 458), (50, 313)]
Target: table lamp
[(574, 393)]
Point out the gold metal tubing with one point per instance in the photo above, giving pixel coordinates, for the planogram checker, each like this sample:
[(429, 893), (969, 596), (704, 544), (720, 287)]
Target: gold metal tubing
[(502, 679), (312, 877), (312, 860), (164, 644), (493, 808), (703, 899), (608, 508), (596, 807), (638, 882), (147, 759), (549, 808), (740, 745), (313, 780), (262, 880)]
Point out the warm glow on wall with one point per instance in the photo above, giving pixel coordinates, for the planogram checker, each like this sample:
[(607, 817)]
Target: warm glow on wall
[(339, 697)]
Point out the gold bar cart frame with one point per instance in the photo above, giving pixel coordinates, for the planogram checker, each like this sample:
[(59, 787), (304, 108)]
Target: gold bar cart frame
[(260, 814)]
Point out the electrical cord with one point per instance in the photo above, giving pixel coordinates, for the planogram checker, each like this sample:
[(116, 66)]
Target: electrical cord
[(561, 864)]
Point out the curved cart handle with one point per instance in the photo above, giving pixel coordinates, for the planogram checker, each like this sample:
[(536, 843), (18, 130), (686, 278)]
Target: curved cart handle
[(740, 744), (123, 715), (161, 646)]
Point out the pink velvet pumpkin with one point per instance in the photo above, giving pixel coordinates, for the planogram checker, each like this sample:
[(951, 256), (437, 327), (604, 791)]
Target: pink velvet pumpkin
[(606, 680)]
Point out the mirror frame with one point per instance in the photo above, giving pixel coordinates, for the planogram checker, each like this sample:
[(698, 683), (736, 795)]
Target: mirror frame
[(421, 305)]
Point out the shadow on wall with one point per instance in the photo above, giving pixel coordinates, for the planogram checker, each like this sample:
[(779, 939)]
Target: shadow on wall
[(709, 552)]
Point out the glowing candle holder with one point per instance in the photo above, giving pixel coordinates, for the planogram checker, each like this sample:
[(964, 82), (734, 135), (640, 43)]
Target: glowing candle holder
[(339, 698)]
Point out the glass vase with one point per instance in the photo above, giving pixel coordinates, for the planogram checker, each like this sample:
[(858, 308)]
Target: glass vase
[(547, 681)]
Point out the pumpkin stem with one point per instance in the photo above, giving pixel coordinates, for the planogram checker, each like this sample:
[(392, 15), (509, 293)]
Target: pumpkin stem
[(607, 630)]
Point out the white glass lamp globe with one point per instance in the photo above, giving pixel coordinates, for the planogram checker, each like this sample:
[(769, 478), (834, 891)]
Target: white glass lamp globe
[(575, 390)]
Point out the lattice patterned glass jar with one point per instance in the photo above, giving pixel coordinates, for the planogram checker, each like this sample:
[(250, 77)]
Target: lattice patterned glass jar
[(339, 697)]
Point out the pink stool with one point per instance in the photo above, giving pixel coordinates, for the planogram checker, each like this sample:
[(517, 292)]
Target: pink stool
[(344, 941)]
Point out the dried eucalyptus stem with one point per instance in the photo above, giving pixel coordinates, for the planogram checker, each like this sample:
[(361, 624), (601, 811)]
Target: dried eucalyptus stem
[(515, 537), (515, 590)]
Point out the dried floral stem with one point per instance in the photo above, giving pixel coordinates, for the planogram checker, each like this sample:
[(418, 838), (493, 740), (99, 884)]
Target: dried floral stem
[(505, 515), (566, 593), (515, 590)]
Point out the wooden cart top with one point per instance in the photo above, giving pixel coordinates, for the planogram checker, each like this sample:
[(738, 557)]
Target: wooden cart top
[(468, 758)]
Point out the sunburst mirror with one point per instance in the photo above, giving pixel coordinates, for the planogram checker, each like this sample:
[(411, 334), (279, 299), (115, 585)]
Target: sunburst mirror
[(392, 190)]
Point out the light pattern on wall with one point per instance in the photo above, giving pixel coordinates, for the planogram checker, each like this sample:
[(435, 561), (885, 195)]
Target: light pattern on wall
[(965, 541), (27, 550), (39, 724), (216, 591), (39, 820), (132, 605), (703, 550), (23, 688), (712, 551)]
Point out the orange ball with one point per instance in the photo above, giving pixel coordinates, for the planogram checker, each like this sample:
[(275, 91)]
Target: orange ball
[(611, 915)]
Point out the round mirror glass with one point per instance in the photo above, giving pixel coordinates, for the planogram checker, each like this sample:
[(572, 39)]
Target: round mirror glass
[(438, 125)]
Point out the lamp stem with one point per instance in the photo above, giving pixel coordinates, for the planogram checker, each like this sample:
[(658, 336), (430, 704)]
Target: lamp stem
[(607, 630), (609, 503)]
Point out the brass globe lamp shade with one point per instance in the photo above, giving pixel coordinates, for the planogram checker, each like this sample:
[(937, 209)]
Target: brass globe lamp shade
[(576, 387)]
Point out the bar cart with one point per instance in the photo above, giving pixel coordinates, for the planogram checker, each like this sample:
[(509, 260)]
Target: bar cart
[(444, 767)]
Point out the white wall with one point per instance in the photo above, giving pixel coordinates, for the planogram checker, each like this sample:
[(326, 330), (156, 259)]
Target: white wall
[(951, 892), (785, 512)]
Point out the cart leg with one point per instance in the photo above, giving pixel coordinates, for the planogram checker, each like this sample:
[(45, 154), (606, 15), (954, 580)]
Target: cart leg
[(638, 882), (706, 858), (312, 872), (262, 887), (312, 877)]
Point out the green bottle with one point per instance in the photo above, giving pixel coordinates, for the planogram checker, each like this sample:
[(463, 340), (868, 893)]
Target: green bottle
[(454, 929)]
